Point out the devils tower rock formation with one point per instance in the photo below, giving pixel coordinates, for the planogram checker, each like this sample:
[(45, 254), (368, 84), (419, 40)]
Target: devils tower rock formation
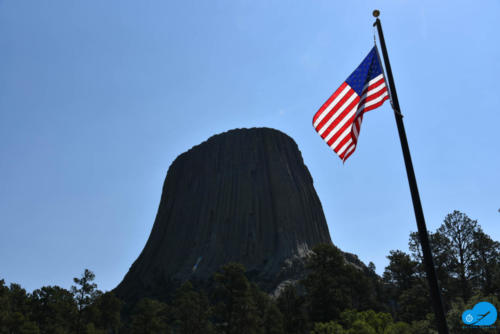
[(243, 196)]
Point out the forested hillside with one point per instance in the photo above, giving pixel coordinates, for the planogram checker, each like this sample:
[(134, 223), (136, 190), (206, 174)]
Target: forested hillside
[(336, 297)]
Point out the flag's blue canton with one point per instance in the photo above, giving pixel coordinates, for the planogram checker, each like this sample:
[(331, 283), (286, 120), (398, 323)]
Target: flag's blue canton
[(367, 70)]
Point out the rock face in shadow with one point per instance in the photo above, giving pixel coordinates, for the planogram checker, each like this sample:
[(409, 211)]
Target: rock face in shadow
[(244, 195)]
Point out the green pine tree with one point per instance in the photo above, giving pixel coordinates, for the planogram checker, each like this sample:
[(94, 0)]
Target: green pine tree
[(107, 316), (235, 312), (149, 317), (85, 293), (54, 309), (294, 311), (191, 311), (329, 285)]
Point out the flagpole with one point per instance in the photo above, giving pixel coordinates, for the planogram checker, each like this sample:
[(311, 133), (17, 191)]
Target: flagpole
[(417, 206)]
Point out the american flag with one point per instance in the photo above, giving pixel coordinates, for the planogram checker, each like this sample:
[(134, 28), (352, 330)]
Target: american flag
[(338, 121)]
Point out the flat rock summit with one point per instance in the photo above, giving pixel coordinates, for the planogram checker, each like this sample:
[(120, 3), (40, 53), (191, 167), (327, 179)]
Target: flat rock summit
[(244, 196)]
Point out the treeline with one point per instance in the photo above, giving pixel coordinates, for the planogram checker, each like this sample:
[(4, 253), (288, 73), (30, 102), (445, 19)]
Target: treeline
[(467, 263), (336, 297)]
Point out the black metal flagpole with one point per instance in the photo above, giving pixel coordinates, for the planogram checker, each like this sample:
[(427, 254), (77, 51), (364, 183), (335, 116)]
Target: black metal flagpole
[(417, 206)]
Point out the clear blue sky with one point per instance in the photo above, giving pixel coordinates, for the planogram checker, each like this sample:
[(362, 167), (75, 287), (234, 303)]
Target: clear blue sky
[(97, 98)]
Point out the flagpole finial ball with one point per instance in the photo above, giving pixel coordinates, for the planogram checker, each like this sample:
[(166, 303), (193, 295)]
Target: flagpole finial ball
[(376, 13)]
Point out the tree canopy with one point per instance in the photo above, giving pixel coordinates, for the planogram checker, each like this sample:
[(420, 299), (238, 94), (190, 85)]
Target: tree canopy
[(338, 295)]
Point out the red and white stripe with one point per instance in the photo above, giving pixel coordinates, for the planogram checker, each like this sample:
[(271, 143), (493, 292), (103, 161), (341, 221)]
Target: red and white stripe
[(338, 121)]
